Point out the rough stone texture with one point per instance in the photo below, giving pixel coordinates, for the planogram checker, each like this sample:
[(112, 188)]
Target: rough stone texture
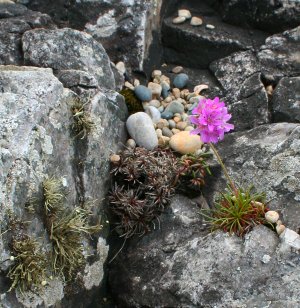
[(66, 49), (181, 41), (269, 158), (286, 100), (179, 266), (271, 16), (15, 19), (36, 142)]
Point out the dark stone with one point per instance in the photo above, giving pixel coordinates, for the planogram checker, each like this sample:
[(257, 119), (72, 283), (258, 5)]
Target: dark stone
[(267, 15), (180, 81), (167, 115), (143, 93), (165, 90), (77, 78), (285, 101)]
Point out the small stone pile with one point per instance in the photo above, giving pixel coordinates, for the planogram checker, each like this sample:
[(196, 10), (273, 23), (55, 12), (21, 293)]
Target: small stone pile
[(184, 15), (167, 106)]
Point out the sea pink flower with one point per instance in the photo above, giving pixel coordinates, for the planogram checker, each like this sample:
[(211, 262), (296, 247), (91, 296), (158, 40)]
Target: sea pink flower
[(210, 118)]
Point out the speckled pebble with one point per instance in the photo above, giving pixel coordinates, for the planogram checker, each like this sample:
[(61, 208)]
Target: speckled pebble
[(176, 92), (179, 20), (167, 132)]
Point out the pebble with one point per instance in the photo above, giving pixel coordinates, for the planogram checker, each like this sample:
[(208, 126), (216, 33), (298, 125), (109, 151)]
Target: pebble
[(181, 80), (189, 128), (145, 105), (200, 88), (167, 132), (176, 92), (155, 88), (153, 113), (159, 133), (143, 93), (129, 85), (156, 73), (184, 93), (136, 82), (179, 20), (177, 69), (172, 124), (175, 131), (168, 99), (177, 119), (208, 26), (185, 143), (184, 117), (165, 89), (184, 13), (165, 79), (115, 158), (167, 115), (269, 89), (175, 107), (162, 123), (272, 216), (181, 125), (196, 99), (196, 21), (154, 103), (121, 67), (140, 128), (130, 143), (280, 229), (161, 109)]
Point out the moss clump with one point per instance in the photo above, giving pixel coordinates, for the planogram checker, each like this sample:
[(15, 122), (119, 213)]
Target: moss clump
[(29, 266), (238, 211), (132, 102), (82, 124), (66, 228), (144, 183)]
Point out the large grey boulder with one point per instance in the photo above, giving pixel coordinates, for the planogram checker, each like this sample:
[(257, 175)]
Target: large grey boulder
[(68, 49), (180, 265), (37, 142), (15, 19)]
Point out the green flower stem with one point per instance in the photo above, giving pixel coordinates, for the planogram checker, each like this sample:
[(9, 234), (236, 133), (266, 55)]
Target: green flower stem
[(223, 167)]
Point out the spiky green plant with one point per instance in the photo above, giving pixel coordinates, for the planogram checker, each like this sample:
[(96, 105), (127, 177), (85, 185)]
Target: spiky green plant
[(238, 211), (83, 123), (29, 267)]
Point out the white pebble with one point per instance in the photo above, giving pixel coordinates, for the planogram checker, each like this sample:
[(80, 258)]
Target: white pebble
[(115, 158), (136, 82), (179, 20), (156, 73), (272, 216), (131, 143), (184, 13), (177, 69), (280, 229), (210, 26), (129, 85), (121, 67), (196, 21), (200, 88)]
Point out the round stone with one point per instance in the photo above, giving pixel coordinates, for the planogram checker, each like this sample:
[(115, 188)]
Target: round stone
[(153, 113), (176, 92), (272, 216), (184, 13), (130, 143), (179, 20), (177, 69), (167, 115), (155, 103), (121, 67), (181, 125), (189, 128), (156, 73), (280, 229), (175, 131), (167, 132), (211, 27), (143, 93), (185, 143), (155, 88), (165, 89), (172, 124), (129, 85), (196, 21), (115, 158), (175, 107), (140, 128), (181, 80), (161, 109), (136, 82)]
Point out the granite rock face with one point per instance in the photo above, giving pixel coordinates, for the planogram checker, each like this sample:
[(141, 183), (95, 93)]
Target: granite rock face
[(181, 265), (68, 49), (37, 142)]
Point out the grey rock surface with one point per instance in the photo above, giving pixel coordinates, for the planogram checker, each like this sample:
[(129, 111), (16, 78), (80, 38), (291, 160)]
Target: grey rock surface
[(180, 265), (285, 101), (15, 19), (37, 142), (66, 49)]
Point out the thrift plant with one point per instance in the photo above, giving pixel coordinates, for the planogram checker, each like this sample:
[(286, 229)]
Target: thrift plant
[(236, 211)]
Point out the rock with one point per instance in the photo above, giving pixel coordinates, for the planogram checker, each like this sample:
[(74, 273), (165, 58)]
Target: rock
[(115, 158), (136, 82), (77, 78), (68, 49), (272, 216), (280, 229), (285, 101), (121, 67), (140, 128), (167, 115), (189, 128), (155, 88), (159, 133), (143, 93), (172, 124), (131, 143), (175, 131), (291, 238), (155, 103), (184, 13), (267, 157), (35, 104), (167, 132), (208, 26), (196, 21), (177, 69), (181, 125), (185, 143), (179, 20), (165, 90), (153, 113), (176, 92), (199, 88), (266, 15), (129, 85), (181, 80), (174, 107), (184, 274), (156, 73)]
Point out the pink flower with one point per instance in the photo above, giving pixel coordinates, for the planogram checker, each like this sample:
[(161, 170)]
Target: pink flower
[(210, 118)]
